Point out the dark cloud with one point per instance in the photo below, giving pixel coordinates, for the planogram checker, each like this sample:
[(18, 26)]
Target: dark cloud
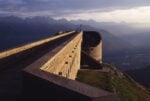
[(62, 7)]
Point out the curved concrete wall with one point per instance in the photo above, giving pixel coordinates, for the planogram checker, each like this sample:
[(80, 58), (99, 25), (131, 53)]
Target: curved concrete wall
[(92, 44)]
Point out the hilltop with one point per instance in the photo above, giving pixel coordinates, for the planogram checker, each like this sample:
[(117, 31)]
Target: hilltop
[(113, 80)]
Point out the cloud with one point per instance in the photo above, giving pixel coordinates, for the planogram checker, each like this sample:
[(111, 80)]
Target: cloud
[(100, 10), (132, 15), (58, 6)]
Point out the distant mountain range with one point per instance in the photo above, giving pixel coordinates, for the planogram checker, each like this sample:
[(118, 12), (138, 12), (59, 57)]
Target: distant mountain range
[(15, 31), (118, 29), (136, 36), (139, 40)]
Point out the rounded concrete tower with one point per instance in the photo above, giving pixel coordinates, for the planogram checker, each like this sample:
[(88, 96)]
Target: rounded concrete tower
[(92, 44)]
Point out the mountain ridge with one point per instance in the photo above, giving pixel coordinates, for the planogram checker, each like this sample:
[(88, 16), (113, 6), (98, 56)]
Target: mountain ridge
[(15, 31)]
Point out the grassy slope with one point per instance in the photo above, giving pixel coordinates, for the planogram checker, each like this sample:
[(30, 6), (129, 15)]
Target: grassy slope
[(113, 81)]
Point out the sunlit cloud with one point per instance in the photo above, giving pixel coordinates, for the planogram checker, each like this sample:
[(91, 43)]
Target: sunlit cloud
[(132, 15), (127, 11)]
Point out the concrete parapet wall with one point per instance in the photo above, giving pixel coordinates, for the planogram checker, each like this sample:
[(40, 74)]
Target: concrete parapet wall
[(31, 45), (31, 51), (52, 76), (43, 86), (66, 61)]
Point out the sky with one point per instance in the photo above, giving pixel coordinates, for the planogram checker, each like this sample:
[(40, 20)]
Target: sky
[(127, 11)]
